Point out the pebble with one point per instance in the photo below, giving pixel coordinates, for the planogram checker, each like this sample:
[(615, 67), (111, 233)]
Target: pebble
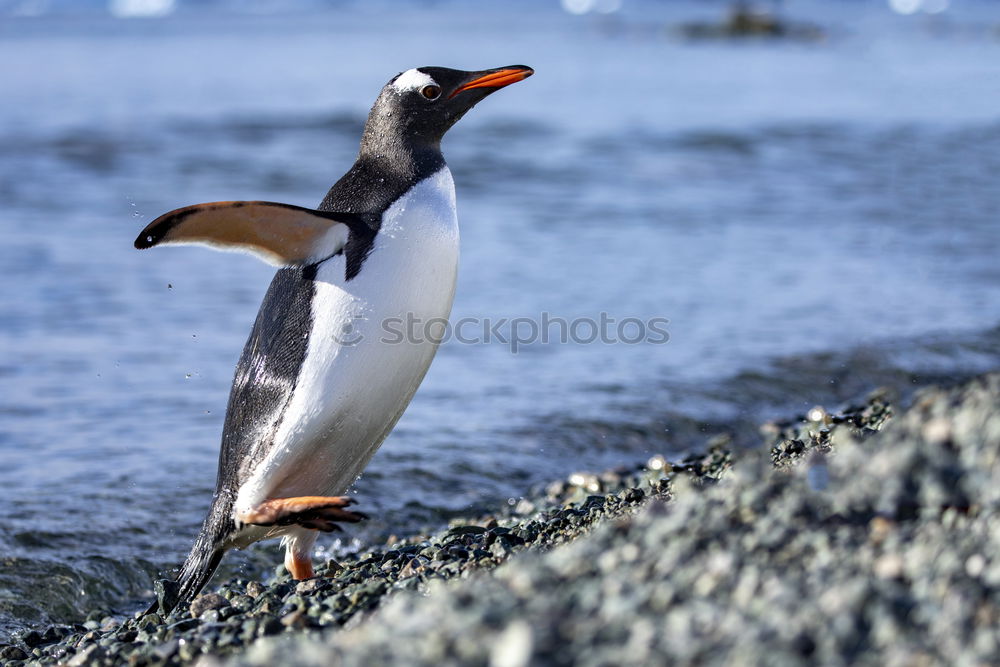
[(255, 589), (207, 602)]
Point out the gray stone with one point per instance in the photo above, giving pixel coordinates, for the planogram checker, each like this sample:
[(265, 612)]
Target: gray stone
[(207, 602)]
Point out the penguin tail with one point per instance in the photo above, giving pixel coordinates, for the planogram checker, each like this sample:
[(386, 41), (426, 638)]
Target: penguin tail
[(197, 571)]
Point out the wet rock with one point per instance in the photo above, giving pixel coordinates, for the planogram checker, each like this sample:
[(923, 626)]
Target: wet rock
[(182, 625), (9, 652), (207, 602), (167, 594), (32, 639), (164, 652), (500, 549), (210, 616), (412, 568), (295, 619), (309, 586), (271, 626), (54, 633), (458, 552), (254, 589), (91, 655)]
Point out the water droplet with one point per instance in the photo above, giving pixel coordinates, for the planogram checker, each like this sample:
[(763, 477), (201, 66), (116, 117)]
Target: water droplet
[(131, 203)]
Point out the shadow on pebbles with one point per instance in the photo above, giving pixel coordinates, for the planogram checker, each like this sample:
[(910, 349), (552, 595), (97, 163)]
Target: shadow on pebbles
[(853, 536)]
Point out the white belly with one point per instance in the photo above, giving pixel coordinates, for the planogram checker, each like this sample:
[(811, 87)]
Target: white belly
[(357, 378)]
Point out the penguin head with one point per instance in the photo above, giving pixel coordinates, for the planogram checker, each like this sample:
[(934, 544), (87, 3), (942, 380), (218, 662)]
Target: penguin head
[(419, 105)]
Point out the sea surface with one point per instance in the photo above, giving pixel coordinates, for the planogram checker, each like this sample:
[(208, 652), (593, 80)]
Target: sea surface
[(813, 219)]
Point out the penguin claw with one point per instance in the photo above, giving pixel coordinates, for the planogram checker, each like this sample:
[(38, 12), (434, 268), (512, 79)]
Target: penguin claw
[(321, 525), (315, 512)]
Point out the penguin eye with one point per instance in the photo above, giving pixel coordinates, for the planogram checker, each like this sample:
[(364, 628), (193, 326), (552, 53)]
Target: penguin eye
[(431, 92)]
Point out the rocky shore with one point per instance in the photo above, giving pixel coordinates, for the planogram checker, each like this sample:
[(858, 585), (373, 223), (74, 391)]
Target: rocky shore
[(864, 535)]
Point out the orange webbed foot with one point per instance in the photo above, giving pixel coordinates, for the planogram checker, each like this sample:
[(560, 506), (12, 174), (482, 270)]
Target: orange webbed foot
[(321, 513)]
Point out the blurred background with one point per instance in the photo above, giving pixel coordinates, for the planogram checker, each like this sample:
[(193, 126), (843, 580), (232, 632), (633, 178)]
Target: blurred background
[(807, 190)]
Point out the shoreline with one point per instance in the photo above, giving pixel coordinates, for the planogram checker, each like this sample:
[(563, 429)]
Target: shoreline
[(829, 536)]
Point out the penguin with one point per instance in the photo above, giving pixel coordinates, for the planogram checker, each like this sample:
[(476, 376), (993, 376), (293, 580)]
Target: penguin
[(320, 385)]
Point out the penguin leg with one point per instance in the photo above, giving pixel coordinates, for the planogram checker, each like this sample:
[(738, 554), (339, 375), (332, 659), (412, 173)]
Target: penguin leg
[(298, 552), (314, 512)]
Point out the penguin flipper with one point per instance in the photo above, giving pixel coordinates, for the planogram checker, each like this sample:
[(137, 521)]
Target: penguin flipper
[(315, 512), (279, 234)]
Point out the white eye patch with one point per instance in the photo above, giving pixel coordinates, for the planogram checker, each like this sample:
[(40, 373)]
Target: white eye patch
[(412, 79)]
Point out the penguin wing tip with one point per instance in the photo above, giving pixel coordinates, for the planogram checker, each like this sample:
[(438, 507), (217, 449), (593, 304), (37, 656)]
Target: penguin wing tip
[(144, 241), (155, 232)]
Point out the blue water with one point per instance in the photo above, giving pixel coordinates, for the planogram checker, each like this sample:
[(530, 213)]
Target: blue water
[(812, 218)]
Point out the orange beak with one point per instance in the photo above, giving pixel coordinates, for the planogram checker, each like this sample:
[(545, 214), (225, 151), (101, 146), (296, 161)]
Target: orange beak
[(497, 78)]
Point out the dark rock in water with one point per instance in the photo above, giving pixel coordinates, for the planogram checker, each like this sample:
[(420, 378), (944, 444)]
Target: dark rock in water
[(9, 652), (167, 595), (32, 638), (747, 21), (54, 633)]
